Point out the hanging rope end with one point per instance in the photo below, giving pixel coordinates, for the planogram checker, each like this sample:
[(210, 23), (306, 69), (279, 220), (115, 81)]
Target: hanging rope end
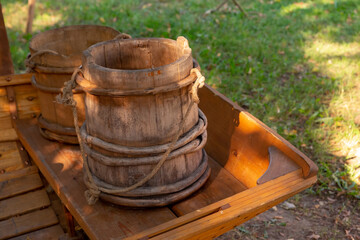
[(199, 83), (92, 196)]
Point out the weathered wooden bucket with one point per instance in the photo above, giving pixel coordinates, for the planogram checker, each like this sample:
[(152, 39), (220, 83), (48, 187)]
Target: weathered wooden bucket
[(137, 92), (137, 89), (54, 56), (184, 171)]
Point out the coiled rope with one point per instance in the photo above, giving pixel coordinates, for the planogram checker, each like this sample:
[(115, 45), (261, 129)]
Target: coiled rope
[(93, 192)]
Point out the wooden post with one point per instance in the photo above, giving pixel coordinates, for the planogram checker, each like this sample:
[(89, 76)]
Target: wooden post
[(31, 13), (6, 64)]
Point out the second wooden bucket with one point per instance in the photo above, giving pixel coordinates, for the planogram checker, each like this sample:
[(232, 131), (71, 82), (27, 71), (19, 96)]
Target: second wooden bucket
[(54, 55)]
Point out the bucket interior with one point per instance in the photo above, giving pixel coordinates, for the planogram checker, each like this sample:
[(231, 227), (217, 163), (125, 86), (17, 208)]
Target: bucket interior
[(136, 54), (72, 40)]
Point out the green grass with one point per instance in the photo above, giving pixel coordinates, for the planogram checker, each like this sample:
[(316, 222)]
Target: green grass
[(294, 65)]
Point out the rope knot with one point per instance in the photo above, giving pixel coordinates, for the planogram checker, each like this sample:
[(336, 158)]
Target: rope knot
[(92, 195), (199, 83), (66, 97)]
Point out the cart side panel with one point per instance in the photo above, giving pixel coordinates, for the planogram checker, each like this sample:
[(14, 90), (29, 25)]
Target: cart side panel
[(240, 142)]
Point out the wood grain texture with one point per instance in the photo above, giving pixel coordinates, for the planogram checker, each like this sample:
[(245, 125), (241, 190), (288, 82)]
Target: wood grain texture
[(8, 135), (62, 167), (33, 221), (15, 79), (239, 141), (279, 165), (18, 173), (19, 185), (23, 203), (5, 118), (49, 233), (10, 158), (238, 209), (27, 101)]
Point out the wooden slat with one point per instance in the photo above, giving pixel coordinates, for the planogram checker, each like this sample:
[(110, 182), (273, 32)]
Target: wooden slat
[(19, 185), (18, 173), (222, 221), (220, 185), (240, 208), (23, 203), (49, 233), (27, 101), (10, 158), (8, 135), (5, 119), (33, 221), (15, 79), (62, 167)]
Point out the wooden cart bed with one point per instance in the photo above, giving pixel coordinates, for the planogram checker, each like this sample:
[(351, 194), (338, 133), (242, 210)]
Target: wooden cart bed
[(253, 169)]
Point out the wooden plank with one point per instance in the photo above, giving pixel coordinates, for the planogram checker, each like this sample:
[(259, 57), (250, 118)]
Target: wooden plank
[(5, 119), (16, 226), (10, 158), (18, 173), (240, 208), (8, 135), (62, 167), (6, 64), (15, 79), (279, 165), (23, 203), (223, 221), (220, 185), (27, 101), (19, 185), (49, 233)]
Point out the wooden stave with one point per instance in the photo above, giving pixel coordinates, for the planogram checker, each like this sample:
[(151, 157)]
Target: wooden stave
[(118, 150), (157, 201), (161, 189), (51, 71)]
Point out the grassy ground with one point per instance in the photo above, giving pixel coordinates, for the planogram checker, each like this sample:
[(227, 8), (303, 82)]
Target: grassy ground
[(294, 65)]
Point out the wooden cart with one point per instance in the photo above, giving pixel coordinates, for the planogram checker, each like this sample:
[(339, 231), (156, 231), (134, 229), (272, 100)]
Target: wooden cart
[(253, 169)]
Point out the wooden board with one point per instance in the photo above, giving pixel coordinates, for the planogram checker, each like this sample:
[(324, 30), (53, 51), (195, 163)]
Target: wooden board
[(62, 167), (10, 158), (49, 233), (15, 79), (18, 173), (5, 119), (8, 135), (220, 185), (23, 203), (19, 185), (27, 101), (26, 223), (215, 219)]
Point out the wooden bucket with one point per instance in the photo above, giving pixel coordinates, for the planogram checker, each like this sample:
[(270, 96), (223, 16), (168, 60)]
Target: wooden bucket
[(136, 94), (54, 56), (137, 89)]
